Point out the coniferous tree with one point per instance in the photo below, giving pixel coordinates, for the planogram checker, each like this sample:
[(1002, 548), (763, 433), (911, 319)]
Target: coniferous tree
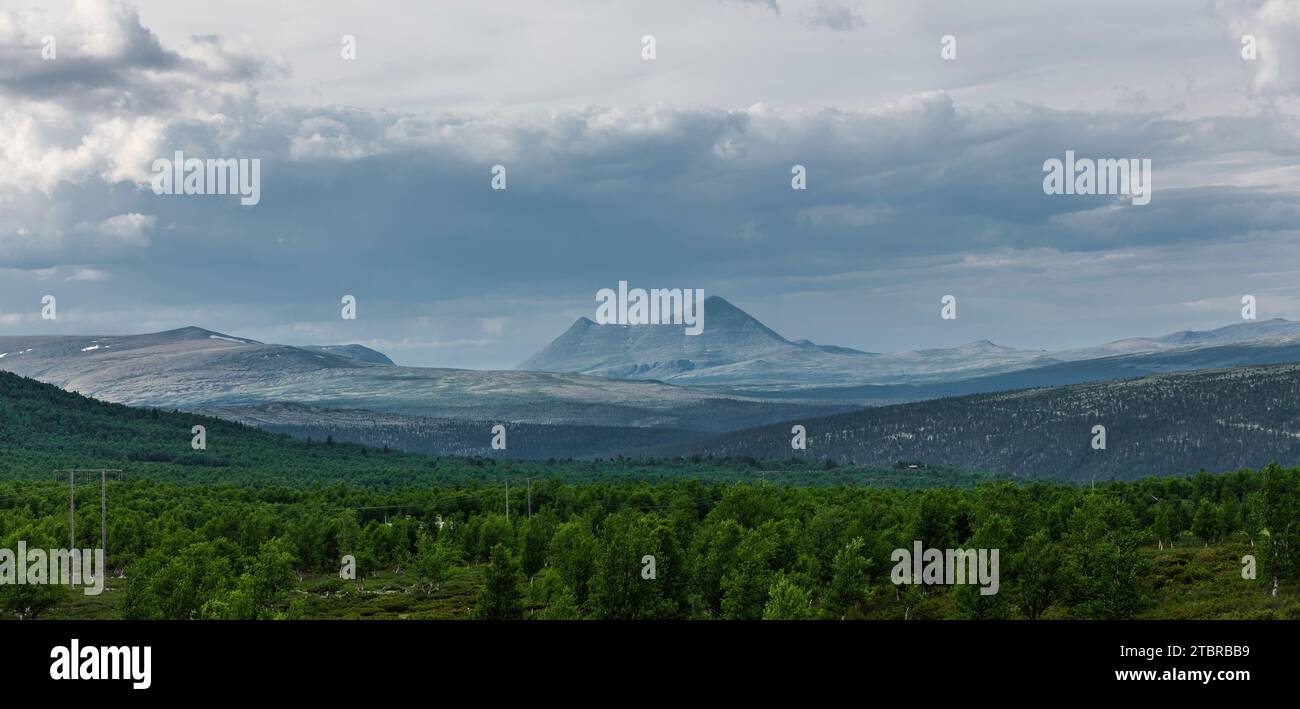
[(500, 599)]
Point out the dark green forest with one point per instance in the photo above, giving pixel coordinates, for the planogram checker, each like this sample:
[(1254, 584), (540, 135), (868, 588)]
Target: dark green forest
[(1169, 424), (259, 525)]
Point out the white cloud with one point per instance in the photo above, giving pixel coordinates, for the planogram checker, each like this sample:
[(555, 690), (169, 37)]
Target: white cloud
[(1275, 25), (113, 98), (125, 229), (89, 274), (378, 180), (84, 242), (323, 137)]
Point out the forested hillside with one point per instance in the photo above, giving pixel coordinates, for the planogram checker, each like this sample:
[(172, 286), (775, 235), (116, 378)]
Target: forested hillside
[(43, 429), (452, 437), (1169, 424)]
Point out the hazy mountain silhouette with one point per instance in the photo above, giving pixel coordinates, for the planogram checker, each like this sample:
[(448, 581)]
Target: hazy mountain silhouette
[(736, 349), (737, 352)]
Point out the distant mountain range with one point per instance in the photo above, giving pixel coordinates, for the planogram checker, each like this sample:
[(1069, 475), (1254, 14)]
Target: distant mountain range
[(605, 390), (737, 350), (196, 369), (737, 353)]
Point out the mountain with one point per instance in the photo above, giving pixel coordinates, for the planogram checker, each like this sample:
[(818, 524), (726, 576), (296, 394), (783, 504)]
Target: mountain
[(730, 335), (737, 354), (737, 374), (735, 349), (1214, 420), (356, 352), (1274, 332), (196, 369), (194, 337), (1103, 368)]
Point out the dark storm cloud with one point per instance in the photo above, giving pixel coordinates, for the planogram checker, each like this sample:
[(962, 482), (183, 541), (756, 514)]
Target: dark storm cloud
[(907, 199)]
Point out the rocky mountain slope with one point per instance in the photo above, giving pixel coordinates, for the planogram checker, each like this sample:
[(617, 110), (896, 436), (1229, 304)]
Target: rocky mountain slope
[(192, 368)]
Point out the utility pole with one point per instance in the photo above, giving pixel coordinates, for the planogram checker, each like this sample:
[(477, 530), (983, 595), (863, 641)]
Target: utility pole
[(103, 505), (530, 498)]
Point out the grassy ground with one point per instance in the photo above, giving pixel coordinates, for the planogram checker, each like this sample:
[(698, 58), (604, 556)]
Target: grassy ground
[(390, 595), (1195, 581)]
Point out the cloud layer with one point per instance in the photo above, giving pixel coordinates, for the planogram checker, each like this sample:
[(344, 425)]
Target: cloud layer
[(931, 187)]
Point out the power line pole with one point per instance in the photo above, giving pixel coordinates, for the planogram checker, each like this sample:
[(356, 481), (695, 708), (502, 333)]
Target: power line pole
[(103, 505)]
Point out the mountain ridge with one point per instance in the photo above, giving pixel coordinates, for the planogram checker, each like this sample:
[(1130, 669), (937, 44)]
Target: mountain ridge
[(193, 369), (1216, 420), (738, 351)]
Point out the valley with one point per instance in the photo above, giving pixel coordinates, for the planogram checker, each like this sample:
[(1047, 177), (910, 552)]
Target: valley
[(734, 390)]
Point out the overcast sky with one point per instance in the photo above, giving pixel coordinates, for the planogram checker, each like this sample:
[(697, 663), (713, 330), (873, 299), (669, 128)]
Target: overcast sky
[(924, 174)]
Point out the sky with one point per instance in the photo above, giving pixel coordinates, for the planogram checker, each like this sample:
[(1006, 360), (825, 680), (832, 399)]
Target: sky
[(924, 173)]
